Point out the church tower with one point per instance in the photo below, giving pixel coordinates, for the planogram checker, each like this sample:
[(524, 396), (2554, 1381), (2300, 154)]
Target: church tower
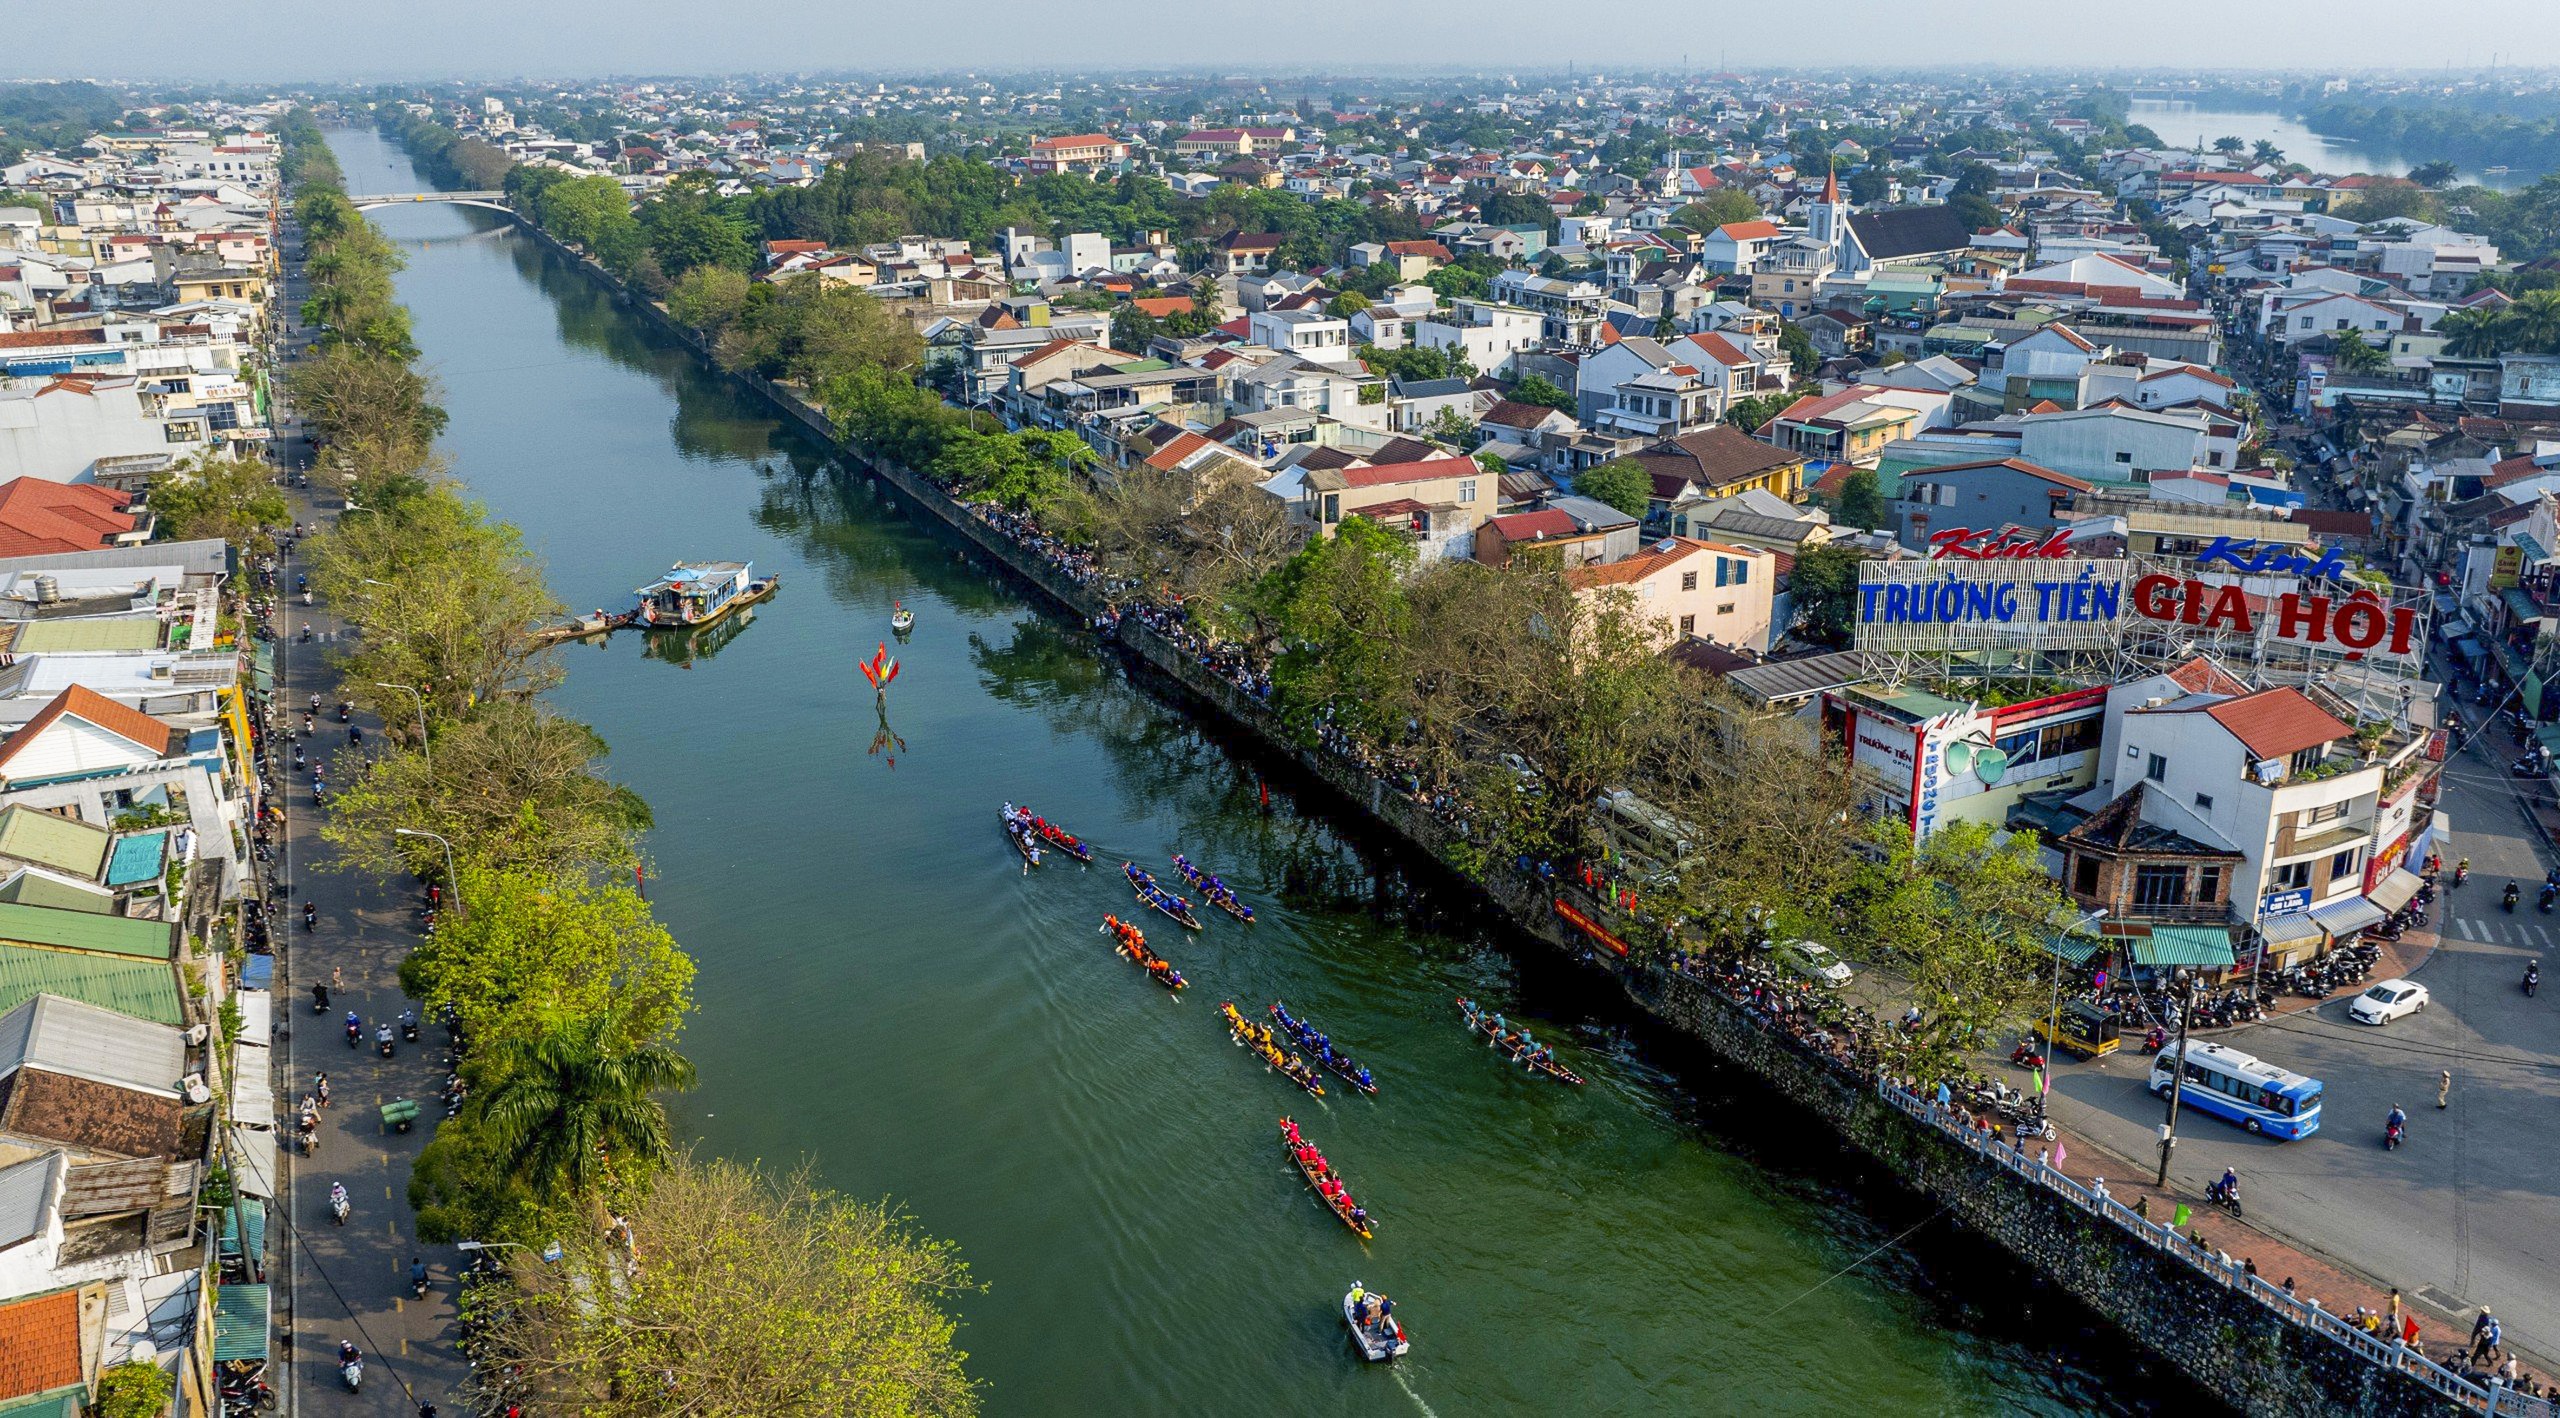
[(1828, 222)]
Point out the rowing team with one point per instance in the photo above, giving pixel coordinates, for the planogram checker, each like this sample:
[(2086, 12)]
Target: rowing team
[(1131, 942), (1310, 1037), (1036, 826), (1320, 1175), (1498, 1031), (1257, 1037), (1210, 887)]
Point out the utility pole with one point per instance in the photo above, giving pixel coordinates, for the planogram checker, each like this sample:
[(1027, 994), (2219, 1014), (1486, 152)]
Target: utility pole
[(2177, 1079)]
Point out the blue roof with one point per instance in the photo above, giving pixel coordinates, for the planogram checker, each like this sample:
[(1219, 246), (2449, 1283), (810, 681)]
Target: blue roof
[(258, 972), (240, 1322), (137, 858)]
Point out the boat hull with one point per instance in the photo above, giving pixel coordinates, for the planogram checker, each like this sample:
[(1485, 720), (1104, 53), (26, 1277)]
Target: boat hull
[(1377, 1348)]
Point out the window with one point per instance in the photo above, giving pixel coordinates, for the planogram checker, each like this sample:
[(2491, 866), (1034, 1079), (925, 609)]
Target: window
[(2160, 886), (1725, 609), (2124, 457), (1466, 489), (2208, 885), (2158, 769), (2084, 878), (1724, 572), (2344, 863), (2330, 812), (2204, 802), (1688, 625), (2293, 878), (1742, 573), (1332, 507), (1688, 580)]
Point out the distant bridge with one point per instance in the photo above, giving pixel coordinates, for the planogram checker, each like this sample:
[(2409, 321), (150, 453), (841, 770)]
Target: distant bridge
[(489, 201)]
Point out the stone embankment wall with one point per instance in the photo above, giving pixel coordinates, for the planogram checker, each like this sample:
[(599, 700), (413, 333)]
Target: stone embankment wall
[(2234, 1343)]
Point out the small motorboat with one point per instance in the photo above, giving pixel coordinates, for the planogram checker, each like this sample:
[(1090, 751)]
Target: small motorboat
[(1373, 1326), (901, 620)]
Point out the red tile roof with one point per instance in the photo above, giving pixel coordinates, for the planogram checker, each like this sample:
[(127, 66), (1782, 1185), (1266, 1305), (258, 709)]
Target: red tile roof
[(37, 516), (2277, 723), (1418, 471), (40, 1344), (1529, 526)]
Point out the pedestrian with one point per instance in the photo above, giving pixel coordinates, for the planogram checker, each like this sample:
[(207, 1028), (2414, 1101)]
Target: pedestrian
[(2288, 1285), (2248, 1265), (337, 977), (2444, 1088), (2480, 1331), (2393, 1312)]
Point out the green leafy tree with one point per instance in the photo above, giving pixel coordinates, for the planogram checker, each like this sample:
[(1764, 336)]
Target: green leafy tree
[(1824, 588), (533, 949), (708, 298), (1621, 483), (2356, 355), (1451, 427), (1339, 613), (1861, 500), (233, 499), (1960, 919), (1753, 413), (448, 599), (739, 1292), (576, 1109), (1801, 355), (1721, 207), (1540, 390), (2434, 174), (133, 1390), (509, 783), (2230, 147)]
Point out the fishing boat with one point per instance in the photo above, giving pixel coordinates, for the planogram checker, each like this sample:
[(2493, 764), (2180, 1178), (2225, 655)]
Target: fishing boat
[(1144, 883), (698, 593), (1373, 1327), (1128, 940), (1257, 1037), (1211, 889), (1502, 1036), (1312, 1039), (1312, 1166), (901, 620)]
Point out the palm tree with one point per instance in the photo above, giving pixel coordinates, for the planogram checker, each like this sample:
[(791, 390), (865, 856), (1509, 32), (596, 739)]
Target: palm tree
[(2471, 334), (2229, 147), (2268, 153), (2533, 322), (575, 1102), (2356, 355)]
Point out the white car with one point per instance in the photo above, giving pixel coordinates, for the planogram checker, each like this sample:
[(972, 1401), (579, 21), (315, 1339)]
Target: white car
[(2388, 1001), (1815, 962)]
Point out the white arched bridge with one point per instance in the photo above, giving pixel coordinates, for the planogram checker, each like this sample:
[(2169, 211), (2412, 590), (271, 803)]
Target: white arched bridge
[(490, 201)]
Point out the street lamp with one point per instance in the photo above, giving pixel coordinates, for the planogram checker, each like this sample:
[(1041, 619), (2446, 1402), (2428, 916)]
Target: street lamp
[(449, 874), (2184, 986), (423, 746)]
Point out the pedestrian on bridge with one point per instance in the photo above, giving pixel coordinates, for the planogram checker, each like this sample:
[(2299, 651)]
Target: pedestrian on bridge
[(2444, 1089)]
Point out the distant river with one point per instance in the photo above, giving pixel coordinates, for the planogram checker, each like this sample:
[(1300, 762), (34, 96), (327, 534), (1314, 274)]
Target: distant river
[(2182, 123), (884, 990)]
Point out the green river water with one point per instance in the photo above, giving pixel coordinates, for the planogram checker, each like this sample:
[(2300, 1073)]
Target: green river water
[(884, 990)]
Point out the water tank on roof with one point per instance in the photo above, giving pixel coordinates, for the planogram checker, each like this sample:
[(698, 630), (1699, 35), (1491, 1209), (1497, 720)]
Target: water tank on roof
[(48, 590)]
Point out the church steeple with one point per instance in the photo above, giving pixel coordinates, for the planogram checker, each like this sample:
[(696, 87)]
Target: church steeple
[(1831, 185)]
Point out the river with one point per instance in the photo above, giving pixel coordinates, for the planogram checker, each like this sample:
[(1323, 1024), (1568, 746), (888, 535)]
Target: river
[(886, 992), (2181, 122)]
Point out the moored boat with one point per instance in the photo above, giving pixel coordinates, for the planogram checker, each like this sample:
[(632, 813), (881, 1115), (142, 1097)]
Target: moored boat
[(1323, 1180), (1257, 1037), (1128, 940), (698, 593), (1374, 1327), (1315, 1041), (1217, 893), (1516, 1043), (1144, 883)]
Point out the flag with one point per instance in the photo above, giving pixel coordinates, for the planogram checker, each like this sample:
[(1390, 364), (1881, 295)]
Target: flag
[(2409, 1328), (2180, 1220), (2040, 1083), (2061, 1154)]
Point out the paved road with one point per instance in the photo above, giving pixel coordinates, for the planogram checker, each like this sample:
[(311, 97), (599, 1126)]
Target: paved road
[(2469, 1209), (351, 1282)]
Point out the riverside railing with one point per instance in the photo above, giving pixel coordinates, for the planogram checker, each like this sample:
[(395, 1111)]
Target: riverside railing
[(2493, 1399)]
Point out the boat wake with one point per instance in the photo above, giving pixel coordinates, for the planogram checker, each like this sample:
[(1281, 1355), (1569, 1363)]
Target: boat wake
[(1407, 1385)]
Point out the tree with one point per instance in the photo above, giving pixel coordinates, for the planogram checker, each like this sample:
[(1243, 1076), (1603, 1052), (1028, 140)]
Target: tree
[(1753, 413), (2266, 153), (1544, 392), (1721, 207), (1824, 588), (1961, 918), (1861, 501), (2434, 174), (511, 784), (1622, 483), (1801, 355), (233, 499), (739, 1292), (349, 396), (708, 298), (1339, 612), (2230, 147), (133, 1389), (2471, 333), (1451, 427), (448, 600), (2358, 356), (575, 1109), (1346, 305), (534, 948)]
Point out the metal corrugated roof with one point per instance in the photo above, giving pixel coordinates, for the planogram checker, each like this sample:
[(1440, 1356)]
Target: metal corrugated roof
[(2195, 947), (65, 843), (34, 885), (2283, 930), (1778, 680), (83, 930), (68, 1036), (137, 857), (26, 1196), (240, 1323), (144, 989)]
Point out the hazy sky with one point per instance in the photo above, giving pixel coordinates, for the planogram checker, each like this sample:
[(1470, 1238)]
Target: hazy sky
[(369, 39)]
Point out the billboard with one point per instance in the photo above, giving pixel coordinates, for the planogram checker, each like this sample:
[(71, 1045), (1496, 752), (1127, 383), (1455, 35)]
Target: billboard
[(1959, 606)]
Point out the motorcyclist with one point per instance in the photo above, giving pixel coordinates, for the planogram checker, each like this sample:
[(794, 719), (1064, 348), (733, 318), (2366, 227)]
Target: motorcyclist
[(338, 1203), (417, 1273), (319, 996), (382, 1038), (2508, 901), (310, 916), (2461, 871), (355, 1026), (2396, 1125), (2532, 976), (2228, 1189)]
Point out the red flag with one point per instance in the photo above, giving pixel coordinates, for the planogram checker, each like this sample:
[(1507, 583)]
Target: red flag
[(2061, 1154)]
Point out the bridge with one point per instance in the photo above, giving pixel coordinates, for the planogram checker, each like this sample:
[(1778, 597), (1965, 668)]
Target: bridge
[(488, 201)]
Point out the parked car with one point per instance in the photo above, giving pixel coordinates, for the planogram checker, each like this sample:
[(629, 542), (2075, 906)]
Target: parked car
[(2388, 1001), (1815, 962)]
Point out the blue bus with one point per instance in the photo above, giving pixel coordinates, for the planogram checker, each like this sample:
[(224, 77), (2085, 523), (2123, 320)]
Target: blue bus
[(2237, 1088)]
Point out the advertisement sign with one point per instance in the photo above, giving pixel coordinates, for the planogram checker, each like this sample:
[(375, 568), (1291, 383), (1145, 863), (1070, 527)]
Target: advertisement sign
[(1989, 604), (2508, 568), (2284, 903)]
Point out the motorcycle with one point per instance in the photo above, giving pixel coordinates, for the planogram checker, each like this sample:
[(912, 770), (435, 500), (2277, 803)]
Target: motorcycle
[(355, 1032), (338, 1204), (2225, 1197), (346, 711), (310, 916), (319, 999), (2393, 1134), (2532, 979), (2543, 902), (350, 1366), (382, 1040), (2025, 1056), (2507, 903), (2461, 872), (408, 1027)]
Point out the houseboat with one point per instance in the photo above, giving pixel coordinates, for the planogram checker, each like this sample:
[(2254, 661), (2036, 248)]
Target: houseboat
[(698, 593)]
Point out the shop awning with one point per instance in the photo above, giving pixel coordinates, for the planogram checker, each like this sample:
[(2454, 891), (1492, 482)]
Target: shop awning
[(244, 1229), (258, 972), (253, 1162), (2345, 918), (253, 1086), (2190, 947), (2396, 890), (257, 1017), (2285, 930), (240, 1323)]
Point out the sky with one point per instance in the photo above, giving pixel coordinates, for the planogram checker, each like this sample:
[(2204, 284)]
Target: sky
[(285, 40)]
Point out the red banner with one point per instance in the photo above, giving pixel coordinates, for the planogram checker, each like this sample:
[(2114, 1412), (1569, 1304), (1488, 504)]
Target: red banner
[(1589, 926)]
